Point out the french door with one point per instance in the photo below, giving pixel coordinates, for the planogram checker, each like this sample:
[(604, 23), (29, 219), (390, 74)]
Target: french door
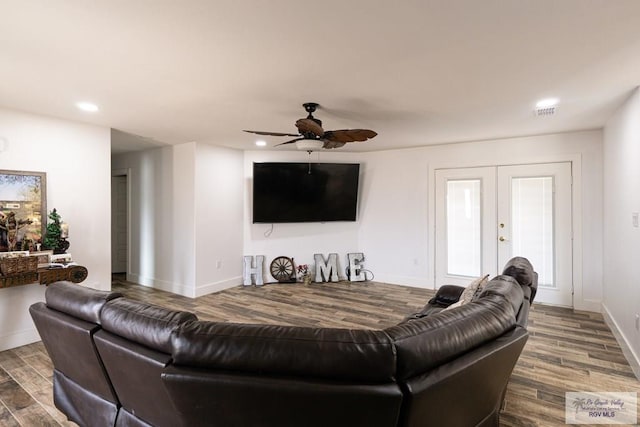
[(487, 215)]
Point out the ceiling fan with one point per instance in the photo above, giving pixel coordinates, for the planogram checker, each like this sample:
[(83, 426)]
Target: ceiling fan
[(311, 135)]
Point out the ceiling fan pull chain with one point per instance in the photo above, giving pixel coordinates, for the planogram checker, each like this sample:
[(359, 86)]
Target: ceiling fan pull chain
[(309, 152)]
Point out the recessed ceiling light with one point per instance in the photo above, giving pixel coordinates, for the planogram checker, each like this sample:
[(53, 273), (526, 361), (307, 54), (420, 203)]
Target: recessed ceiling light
[(547, 103), (261, 143), (87, 106)]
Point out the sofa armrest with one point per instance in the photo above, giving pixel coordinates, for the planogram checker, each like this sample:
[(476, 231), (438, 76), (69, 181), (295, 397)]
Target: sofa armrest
[(447, 295)]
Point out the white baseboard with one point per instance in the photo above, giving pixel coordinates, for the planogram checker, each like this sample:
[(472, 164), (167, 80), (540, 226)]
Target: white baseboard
[(162, 285), (218, 286), (20, 338), (416, 282), (186, 291), (627, 349), (588, 305)]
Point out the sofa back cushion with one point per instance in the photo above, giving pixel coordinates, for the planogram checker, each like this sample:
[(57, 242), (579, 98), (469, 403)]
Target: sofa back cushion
[(144, 323), (522, 271), (135, 347), (78, 301), (425, 343), (67, 324), (470, 386), (359, 355), (207, 397)]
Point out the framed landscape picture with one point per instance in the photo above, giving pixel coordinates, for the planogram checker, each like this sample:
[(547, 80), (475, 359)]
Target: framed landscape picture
[(23, 210)]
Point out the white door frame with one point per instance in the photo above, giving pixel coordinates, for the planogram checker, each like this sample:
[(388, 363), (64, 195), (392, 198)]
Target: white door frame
[(489, 246), (126, 172), (579, 302), (560, 173)]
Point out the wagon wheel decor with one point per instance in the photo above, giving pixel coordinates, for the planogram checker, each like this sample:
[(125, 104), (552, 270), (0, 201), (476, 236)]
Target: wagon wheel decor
[(282, 269)]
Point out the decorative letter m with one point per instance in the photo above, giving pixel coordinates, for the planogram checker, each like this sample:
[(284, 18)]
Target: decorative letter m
[(328, 269)]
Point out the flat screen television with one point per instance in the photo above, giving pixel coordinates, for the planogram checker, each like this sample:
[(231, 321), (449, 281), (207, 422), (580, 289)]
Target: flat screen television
[(305, 192)]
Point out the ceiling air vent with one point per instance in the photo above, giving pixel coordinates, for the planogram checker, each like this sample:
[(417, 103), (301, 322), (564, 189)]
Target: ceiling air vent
[(546, 107), (545, 111)]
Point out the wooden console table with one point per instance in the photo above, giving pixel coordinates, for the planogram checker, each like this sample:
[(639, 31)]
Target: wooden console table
[(45, 276)]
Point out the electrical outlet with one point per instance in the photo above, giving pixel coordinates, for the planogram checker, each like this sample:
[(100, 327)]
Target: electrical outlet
[(637, 322), (634, 219), (218, 264)]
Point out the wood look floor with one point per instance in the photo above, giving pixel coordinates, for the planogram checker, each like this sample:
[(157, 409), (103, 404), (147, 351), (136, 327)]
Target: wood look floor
[(567, 350)]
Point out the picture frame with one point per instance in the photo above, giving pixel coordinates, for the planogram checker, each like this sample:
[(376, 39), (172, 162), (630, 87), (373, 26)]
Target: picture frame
[(23, 209), (44, 258)]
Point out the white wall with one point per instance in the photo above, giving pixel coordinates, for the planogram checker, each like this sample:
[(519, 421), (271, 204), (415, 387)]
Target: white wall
[(184, 198), (299, 241), (398, 223), (79, 190), (394, 235), (218, 218), (161, 228), (621, 239), (396, 207), (395, 215)]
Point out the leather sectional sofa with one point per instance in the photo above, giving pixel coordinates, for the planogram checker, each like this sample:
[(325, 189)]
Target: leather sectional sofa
[(119, 362)]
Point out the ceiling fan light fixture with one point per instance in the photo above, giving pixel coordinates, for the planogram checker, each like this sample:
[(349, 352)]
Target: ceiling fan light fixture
[(309, 145), (312, 137), (261, 143)]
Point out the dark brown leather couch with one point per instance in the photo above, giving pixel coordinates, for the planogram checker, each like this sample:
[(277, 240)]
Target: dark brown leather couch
[(127, 363)]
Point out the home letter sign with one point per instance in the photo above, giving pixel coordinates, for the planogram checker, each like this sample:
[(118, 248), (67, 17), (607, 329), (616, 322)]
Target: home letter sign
[(328, 269), (355, 267), (256, 271)]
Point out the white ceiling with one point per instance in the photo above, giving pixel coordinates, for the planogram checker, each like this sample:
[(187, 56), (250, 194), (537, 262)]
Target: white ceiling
[(418, 72)]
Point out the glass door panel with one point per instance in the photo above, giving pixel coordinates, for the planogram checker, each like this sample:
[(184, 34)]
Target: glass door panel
[(465, 241), (534, 221), (532, 224), (485, 216), (464, 232)]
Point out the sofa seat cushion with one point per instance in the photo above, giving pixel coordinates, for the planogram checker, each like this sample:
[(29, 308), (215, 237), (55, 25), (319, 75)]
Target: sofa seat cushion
[(362, 355)]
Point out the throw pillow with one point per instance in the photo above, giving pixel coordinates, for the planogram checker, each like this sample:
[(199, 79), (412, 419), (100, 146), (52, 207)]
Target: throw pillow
[(471, 291), (454, 305)]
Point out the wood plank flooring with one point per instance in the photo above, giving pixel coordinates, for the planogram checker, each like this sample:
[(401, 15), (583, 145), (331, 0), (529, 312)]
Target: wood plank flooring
[(567, 350)]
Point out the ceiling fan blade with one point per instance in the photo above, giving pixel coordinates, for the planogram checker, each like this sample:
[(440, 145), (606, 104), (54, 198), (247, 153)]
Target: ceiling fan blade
[(290, 142), (332, 144), (259, 132), (309, 126), (349, 135)]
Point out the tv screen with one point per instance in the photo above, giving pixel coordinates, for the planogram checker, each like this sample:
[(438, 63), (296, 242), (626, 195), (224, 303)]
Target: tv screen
[(305, 192)]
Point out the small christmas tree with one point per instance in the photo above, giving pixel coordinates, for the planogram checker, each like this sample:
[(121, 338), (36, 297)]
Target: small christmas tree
[(54, 230)]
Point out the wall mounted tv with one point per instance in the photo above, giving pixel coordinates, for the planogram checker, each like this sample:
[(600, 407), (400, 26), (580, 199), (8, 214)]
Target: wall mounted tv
[(305, 192)]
